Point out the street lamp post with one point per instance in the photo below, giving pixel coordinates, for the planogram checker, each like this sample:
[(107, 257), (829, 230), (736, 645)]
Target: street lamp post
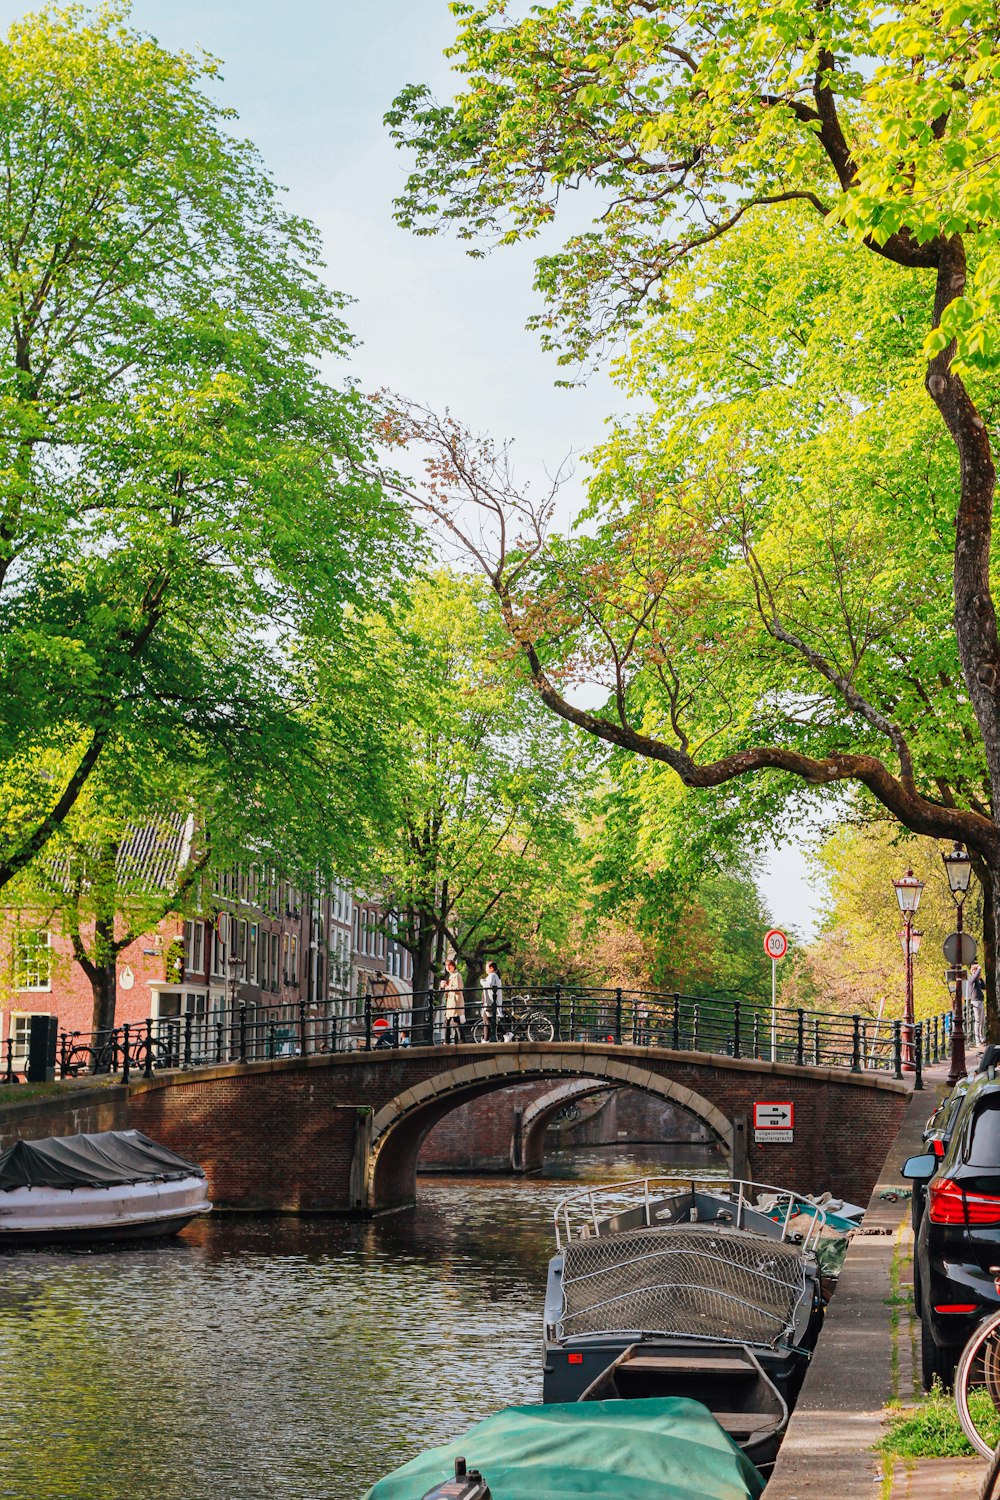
[(959, 870), (908, 889)]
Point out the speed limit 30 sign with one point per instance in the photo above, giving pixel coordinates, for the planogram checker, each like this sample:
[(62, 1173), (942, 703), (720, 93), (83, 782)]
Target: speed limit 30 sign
[(775, 943)]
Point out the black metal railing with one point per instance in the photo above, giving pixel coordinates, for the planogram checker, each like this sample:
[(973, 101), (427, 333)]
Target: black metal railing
[(563, 1013)]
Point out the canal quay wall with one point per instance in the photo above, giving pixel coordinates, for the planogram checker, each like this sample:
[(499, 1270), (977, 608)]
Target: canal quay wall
[(63, 1109), (341, 1133)]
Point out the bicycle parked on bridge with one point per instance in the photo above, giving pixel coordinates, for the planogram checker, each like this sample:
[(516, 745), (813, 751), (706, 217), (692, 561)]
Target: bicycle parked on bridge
[(519, 1022)]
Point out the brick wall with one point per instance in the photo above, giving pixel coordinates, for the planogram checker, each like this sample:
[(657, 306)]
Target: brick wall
[(281, 1136), (70, 1111)]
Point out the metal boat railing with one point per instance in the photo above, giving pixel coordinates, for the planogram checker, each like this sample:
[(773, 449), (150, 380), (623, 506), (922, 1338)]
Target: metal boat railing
[(589, 1212)]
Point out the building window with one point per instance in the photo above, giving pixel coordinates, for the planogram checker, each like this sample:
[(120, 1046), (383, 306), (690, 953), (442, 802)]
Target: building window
[(293, 959), (274, 960), (20, 1033), (194, 943), (32, 959), (253, 952)]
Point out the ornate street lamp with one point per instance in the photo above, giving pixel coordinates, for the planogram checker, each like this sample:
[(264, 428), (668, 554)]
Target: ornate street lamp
[(959, 869), (908, 890)]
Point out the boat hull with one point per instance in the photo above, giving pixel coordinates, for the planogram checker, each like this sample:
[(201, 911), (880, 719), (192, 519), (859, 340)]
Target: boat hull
[(36, 1216)]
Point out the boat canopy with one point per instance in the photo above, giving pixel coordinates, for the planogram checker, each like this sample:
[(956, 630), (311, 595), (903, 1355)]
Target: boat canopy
[(107, 1159), (660, 1448)]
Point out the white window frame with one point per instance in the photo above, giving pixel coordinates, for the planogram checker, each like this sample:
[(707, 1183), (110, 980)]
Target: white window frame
[(23, 968), (20, 1058)]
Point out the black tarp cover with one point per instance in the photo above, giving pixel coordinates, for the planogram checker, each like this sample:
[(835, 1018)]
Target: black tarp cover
[(108, 1159)]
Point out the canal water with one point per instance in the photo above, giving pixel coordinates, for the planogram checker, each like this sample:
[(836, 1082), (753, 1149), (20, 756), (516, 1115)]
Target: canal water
[(278, 1359)]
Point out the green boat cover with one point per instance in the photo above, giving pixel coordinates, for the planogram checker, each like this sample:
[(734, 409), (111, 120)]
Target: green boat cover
[(660, 1448)]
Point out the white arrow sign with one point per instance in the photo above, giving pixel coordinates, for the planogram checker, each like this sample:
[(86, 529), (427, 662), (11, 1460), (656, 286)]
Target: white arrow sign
[(772, 1116)]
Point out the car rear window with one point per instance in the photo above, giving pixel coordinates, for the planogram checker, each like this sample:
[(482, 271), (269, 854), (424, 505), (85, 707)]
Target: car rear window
[(984, 1137)]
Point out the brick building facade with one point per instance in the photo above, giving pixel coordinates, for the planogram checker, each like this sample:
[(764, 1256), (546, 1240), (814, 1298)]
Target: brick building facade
[(262, 944)]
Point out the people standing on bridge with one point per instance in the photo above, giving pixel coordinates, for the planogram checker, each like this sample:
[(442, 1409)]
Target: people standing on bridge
[(492, 1001), (454, 1003), (977, 996)]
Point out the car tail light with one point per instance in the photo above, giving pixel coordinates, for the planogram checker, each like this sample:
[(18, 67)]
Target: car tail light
[(937, 1148), (947, 1204), (576, 1359), (956, 1307)]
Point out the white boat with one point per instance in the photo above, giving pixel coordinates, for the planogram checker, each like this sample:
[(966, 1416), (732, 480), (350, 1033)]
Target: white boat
[(80, 1189)]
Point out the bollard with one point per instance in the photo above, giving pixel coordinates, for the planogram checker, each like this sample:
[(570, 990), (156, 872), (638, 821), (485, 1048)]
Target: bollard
[(918, 1055)]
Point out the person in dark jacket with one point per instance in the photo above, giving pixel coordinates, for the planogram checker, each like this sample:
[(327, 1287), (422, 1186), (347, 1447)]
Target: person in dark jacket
[(977, 998)]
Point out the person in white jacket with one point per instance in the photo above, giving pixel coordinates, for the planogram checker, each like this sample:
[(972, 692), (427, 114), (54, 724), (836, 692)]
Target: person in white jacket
[(492, 992)]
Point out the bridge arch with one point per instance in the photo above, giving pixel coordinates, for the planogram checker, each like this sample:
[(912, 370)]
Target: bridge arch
[(397, 1130)]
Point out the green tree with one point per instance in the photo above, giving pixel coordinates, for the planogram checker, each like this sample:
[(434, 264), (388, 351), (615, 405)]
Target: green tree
[(484, 793), (684, 126), (185, 516), (856, 964)]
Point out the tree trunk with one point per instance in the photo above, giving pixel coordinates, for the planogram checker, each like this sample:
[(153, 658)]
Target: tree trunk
[(423, 955)]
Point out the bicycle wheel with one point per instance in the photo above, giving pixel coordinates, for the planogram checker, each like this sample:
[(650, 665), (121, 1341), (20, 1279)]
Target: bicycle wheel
[(977, 1387), (481, 1032), (540, 1028)]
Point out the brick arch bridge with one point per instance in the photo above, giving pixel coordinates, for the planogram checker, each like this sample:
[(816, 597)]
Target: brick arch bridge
[(399, 1127), (341, 1132)]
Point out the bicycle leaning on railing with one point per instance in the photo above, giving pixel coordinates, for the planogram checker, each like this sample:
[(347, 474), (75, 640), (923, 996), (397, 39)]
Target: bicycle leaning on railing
[(518, 1021)]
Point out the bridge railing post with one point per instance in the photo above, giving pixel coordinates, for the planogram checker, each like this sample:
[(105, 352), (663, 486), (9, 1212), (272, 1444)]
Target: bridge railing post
[(303, 1030), (864, 1040), (187, 1039), (736, 1028), (856, 1045), (368, 1023), (816, 1044), (756, 1034), (618, 1015), (694, 1027), (557, 1013), (8, 1076), (126, 1059), (800, 1037), (243, 1033), (148, 1042), (918, 1056), (677, 1023), (494, 1035), (897, 1049)]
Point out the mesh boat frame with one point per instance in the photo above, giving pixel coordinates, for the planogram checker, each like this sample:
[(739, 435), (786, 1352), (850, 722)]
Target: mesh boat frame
[(690, 1281)]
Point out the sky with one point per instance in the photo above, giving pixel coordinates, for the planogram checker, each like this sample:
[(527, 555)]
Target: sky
[(311, 80)]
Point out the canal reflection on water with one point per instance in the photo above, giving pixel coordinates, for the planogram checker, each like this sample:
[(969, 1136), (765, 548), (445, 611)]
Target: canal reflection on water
[(266, 1358)]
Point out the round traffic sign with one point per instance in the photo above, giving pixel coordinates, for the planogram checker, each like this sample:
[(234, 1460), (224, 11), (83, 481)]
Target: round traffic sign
[(775, 943), (960, 948)]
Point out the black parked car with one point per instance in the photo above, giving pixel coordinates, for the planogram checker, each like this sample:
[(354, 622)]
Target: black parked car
[(956, 1262), (936, 1135)]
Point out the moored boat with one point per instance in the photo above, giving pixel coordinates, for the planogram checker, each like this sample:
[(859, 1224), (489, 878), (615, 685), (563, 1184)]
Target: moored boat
[(109, 1186), (698, 1287), (657, 1449)]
